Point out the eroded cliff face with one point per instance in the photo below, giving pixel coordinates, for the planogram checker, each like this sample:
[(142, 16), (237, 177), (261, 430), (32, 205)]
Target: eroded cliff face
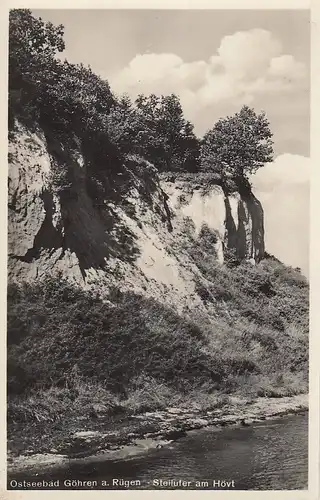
[(136, 240), (236, 218)]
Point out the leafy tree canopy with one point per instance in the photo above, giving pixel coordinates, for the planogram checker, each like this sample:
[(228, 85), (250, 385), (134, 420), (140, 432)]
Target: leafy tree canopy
[(238, 145), (172, 136), (33, 45), (72, 99)]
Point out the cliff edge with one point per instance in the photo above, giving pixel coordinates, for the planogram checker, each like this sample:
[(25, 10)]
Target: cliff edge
[(136, 235)]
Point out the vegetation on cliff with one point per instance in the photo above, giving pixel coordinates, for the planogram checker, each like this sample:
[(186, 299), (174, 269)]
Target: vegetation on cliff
[(142, 354), (70, 350), (72, 101)]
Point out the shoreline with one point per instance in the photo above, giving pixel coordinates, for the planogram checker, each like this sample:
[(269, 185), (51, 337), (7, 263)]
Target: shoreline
[(151, 430)]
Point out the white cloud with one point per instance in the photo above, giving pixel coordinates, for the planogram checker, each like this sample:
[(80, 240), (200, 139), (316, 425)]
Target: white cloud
[(287, 170), (247, 54), (159, 73), (285, 66), (245, 64), (139, 68), (283, 189)]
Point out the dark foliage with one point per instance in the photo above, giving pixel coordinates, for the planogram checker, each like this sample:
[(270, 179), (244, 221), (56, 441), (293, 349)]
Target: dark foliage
[(54, 327), (70, 99), (238, 145)]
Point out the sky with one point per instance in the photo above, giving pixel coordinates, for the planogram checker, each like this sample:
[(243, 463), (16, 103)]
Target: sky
[(216, 61)]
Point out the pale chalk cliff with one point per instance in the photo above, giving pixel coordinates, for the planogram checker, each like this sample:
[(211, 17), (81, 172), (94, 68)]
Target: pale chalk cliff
[(137, 238)]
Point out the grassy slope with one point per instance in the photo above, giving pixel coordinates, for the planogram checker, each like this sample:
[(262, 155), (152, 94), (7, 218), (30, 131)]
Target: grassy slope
[(72, 354)]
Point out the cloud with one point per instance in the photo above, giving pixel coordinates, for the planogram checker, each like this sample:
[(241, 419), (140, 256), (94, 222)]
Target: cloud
[(285, 66), (245, 64), (247, 54), (286, 170), (283, 189), (159, 73)]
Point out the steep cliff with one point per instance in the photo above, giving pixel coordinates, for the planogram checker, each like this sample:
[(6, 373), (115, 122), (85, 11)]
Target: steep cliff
[(131, 289), (236, 218), (136, 237), (139, 292)]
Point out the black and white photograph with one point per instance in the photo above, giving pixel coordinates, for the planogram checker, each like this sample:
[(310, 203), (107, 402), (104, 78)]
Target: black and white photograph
[(158, 249)]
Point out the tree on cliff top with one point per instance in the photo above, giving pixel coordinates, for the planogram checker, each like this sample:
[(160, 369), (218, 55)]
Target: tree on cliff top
[(171, 143), (61, 95), (238, 145), (33, 45)]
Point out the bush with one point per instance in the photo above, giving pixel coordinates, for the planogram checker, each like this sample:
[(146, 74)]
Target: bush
[(54, 404), (53, 326)]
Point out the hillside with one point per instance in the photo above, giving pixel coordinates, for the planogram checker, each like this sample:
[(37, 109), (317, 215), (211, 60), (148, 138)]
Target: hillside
[(165, 279), (138, 277), (141, 229)]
